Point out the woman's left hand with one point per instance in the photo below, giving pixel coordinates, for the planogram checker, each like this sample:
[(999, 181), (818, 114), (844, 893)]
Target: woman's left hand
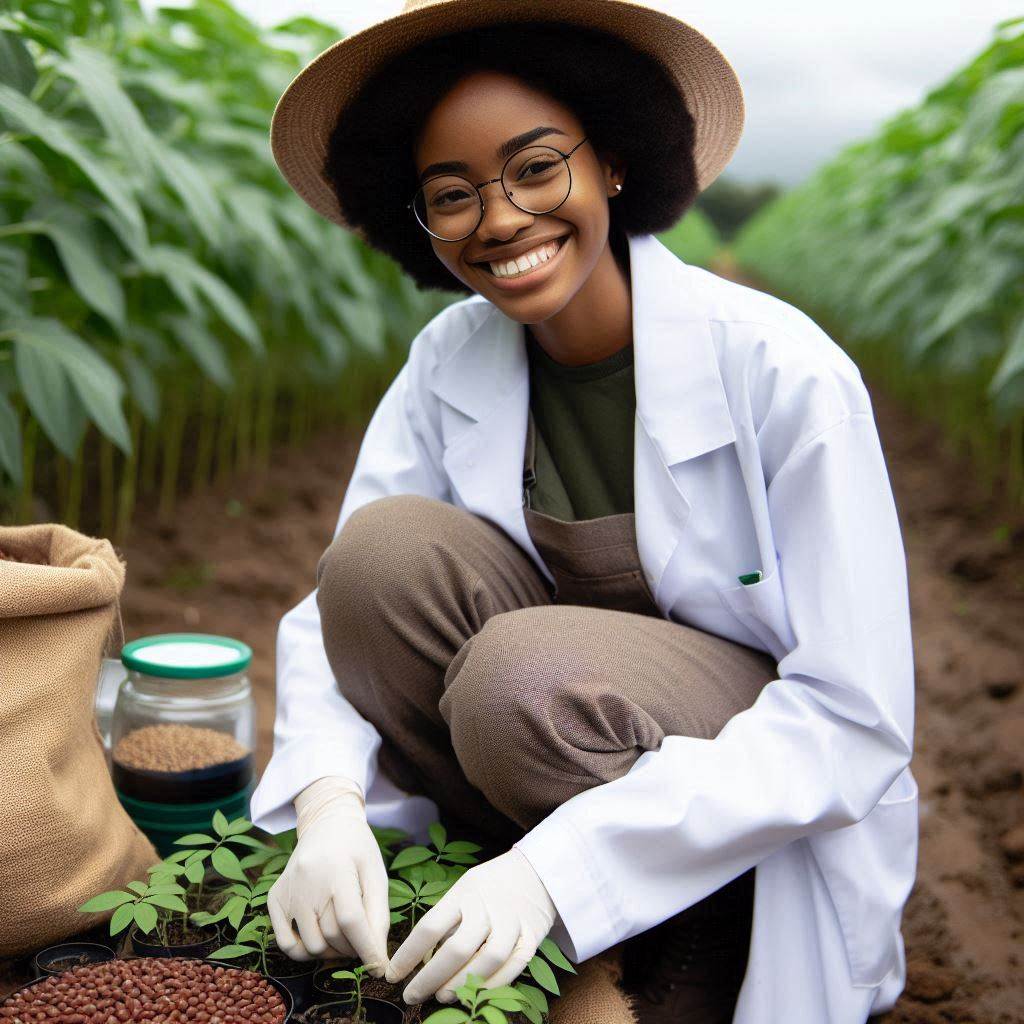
[(490, 923)]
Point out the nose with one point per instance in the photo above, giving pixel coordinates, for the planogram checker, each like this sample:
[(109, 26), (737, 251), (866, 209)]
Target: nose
[(501, 217)]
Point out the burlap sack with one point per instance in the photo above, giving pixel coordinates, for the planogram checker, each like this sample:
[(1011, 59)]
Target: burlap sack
[(63, 834), (593, 995)]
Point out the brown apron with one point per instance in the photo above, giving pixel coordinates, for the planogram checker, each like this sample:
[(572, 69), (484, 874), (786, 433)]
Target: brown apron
[(595, 562)]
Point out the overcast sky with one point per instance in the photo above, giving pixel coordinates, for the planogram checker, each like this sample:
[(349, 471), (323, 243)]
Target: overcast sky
[(815, 75)]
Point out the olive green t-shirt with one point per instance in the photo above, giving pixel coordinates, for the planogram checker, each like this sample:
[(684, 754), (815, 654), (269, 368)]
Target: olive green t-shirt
[(583, 421)]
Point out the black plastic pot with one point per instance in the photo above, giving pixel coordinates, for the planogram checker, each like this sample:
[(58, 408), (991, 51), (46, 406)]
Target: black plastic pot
[(327, 989), (195, 950), (73, 954), (299, 984), (378, 1011)]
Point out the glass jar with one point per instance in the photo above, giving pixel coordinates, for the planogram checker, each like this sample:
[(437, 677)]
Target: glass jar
[(183, 732)]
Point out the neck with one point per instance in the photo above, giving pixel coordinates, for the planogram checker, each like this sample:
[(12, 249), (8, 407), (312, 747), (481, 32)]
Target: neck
[(597, 322)]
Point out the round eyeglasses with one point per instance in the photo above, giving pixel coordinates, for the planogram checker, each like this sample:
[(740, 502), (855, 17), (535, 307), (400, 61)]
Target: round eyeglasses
[(536, 179)]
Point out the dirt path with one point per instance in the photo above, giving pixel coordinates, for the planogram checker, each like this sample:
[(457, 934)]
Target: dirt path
[(238, 559)]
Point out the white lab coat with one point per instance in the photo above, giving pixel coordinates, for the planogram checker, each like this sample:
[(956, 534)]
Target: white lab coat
[(755, 448)]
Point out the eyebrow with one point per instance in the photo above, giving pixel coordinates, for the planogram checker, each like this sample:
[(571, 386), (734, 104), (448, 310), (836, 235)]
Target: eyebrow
[(503, 152)]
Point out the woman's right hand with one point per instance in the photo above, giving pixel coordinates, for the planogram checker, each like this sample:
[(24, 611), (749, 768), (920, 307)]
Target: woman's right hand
[(334, 887)]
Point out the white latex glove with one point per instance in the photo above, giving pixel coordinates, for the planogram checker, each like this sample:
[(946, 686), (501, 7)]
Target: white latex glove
[(492, 920), (335, 885)]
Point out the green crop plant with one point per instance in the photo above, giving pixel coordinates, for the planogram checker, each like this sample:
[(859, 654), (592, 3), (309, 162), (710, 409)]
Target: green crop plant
[(169, 309), (356, 976), (909, 246), (255, 938), (217, 849), (147, 905), (486, 1005), (441, 851)]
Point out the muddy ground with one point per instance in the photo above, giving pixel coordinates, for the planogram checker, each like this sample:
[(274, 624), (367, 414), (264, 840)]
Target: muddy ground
[(237, 559)]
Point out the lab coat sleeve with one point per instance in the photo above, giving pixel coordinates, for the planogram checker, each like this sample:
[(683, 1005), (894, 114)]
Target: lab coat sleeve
[(317, 732), (816, 751)]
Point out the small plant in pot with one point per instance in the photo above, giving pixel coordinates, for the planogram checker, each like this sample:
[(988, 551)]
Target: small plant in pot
[(255, 947), (356, 1008), (155, 915)]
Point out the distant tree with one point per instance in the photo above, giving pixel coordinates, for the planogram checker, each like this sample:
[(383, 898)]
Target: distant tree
[(728, 204)]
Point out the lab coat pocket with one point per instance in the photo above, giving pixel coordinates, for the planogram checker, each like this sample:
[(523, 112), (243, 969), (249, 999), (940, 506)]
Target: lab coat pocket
[(869, 869), (761, 608)]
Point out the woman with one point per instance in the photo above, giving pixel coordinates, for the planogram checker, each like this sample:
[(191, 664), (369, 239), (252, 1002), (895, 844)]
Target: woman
[(618, 579)]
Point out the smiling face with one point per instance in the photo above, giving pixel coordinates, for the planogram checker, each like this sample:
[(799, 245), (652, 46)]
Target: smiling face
[(484, 111)]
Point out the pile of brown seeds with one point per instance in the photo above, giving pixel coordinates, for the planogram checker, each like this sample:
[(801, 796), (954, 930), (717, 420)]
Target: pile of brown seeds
[(158, 990), (176, 748)]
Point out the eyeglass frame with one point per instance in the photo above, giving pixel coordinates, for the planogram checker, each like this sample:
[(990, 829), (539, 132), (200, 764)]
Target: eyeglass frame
[(479, 194)]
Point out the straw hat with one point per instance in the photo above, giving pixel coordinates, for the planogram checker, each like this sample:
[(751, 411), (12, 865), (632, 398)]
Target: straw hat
[(310, 107)]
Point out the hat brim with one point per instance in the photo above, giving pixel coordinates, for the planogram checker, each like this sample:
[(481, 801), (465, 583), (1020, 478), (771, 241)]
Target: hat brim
[(308, 110)]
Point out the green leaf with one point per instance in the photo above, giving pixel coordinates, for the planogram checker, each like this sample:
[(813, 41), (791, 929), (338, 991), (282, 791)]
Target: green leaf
[(543, 975), (237, 826), (17, 68), (236, 907), (139, 888), (46, 352), (10, 441), (493, 1015), (220, 823), (462, 846), (410, 855), (167, 901), (555, 955), (142, 385), (343, 974), (186, 178), (47, 390), (230, 952), (449, 1015), (533, 994), (438, 834), (205, 349), (145, 917), (532, 1014), (106, 901), (195, 839), (52, 133), (396, 887), (195, 872), (97, 80), (505, 992), (123, 916), (225, 863)]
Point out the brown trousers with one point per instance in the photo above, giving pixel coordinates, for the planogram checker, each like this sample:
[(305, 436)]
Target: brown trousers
[(498, 700)]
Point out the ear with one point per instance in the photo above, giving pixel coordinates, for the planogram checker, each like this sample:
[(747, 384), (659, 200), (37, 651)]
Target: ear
[(613, 170)]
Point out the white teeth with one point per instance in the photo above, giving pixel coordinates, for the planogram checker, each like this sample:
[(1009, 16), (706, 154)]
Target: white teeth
[(525, 264)]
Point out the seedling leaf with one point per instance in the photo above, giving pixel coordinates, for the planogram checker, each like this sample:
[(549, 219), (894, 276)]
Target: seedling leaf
[(145, 917), (220, 823), (493, 1015), (543, 975), (194, 839), (555, 955), (226, 863), (167, 901), (230, 952), (123, 916), (438, 834), (106, 901), (239, 825), (410, 855), (195, 872), (139, 888), (449, 1015)]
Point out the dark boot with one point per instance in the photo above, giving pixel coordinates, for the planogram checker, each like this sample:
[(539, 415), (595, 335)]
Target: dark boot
[(689, 969)]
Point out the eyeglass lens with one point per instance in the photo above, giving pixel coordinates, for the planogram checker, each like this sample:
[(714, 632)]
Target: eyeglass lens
[(536, 179)]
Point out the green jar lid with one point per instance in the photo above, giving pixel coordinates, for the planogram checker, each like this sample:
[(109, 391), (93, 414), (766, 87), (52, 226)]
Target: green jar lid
[(186, 655)]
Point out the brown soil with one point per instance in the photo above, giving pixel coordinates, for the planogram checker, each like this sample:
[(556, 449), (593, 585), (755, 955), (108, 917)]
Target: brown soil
[(178, 934), (234, 561)]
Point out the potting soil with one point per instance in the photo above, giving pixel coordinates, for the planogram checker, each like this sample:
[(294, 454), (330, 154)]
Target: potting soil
[(156, 990)]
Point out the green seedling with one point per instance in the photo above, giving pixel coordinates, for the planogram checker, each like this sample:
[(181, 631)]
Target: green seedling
[(414, 896), (458, 852), (148, 906), (242, 899), (217, 850), (486, 1005), (356, 977), (255, 937)]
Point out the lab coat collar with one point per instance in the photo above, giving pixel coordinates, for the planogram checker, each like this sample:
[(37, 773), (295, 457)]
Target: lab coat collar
[(680, 397)]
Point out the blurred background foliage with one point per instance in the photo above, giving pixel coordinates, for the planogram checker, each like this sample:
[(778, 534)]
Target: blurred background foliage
[(910, 247), (168, 307)]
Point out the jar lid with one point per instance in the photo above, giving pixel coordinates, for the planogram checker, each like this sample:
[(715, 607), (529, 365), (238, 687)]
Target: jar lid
[(186, 655)]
